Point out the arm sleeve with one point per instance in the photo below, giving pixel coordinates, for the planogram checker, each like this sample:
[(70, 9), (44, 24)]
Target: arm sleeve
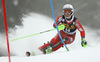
[(80, 28), (58, 21)]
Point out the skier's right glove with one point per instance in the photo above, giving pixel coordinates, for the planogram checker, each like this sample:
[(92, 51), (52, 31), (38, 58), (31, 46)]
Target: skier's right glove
[(83, 43), (61, 27)]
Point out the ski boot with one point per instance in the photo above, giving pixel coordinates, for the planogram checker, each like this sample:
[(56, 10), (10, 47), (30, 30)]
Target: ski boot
[(49, 50), (46, 48)]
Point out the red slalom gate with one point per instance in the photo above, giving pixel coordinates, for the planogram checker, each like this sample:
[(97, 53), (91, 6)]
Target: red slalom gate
[(5, 19)]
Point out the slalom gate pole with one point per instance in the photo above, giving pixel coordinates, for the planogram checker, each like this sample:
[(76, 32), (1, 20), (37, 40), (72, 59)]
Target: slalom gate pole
[(5, 20), (56, 25)]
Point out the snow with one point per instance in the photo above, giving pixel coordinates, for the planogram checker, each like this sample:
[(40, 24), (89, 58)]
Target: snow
[(34, 23), (79, 55)]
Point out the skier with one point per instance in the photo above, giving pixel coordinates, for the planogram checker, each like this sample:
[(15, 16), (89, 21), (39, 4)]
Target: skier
[(68, 33)]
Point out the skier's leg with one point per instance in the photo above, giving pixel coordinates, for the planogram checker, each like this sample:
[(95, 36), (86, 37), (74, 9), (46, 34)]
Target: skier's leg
[(44, 47), (72, 38), (59, 44), (68, 39), (48, 45), (56, 43), (55, 40)]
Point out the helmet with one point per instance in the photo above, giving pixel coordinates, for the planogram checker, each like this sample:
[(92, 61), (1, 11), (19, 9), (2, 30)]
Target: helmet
[(68, 6)]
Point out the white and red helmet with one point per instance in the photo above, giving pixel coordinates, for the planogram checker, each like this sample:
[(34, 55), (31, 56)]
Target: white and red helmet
[(68, 6)]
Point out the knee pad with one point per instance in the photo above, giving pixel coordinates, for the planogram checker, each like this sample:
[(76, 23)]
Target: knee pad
[(66, 39)]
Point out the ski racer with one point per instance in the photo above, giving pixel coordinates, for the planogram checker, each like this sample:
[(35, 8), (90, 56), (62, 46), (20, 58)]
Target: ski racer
[(68, 33)]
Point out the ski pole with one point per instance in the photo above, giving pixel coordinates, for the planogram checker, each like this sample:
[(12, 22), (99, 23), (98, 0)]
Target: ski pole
[(60, 27)]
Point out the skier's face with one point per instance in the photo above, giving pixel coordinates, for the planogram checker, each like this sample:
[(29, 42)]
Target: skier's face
[(67, 12)]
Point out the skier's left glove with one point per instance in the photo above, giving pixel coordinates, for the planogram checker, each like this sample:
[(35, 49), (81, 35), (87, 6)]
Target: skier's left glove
[(83, 43)]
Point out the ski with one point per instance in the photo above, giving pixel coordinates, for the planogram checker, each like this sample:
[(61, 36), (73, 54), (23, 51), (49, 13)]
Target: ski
[(30, 53)]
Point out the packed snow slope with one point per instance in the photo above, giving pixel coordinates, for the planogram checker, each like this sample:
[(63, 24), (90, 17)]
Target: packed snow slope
[(35, 23), (87, 54)]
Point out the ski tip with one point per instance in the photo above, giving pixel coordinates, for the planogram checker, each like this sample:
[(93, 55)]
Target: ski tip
[(28, 53)]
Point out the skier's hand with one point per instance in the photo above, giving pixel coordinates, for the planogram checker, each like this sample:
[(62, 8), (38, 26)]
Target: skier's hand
[(83, 43), (61, 27)]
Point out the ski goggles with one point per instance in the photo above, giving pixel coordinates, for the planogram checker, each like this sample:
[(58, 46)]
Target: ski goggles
[(67, 10)]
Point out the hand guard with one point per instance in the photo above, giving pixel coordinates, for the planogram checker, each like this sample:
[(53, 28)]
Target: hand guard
[(83, 43)]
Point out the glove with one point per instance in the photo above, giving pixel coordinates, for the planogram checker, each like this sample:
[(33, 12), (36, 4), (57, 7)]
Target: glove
[(61, 27), (83, 43)]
